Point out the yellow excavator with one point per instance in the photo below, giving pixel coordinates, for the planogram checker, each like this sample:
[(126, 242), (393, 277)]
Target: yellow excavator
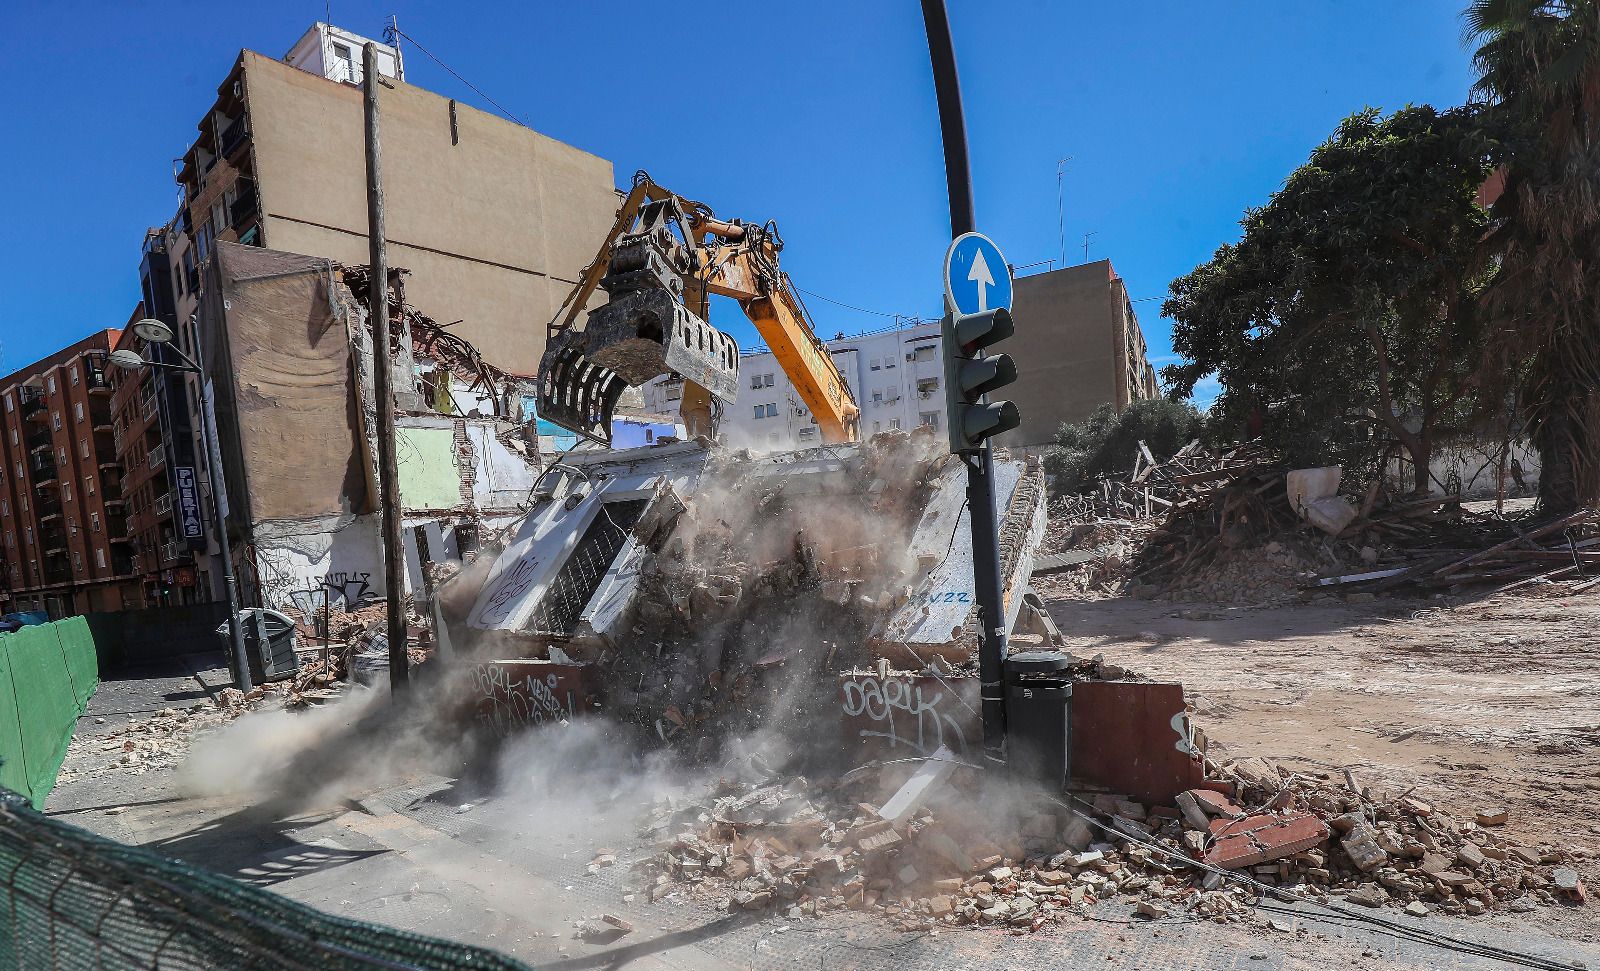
[(663, 259)]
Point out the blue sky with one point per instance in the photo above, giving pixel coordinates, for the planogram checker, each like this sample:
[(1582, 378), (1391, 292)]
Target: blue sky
[(820, 115)]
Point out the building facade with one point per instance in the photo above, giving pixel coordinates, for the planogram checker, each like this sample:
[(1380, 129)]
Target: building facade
[(63, 517), (896, 376), (493, 220), (1078, 346)]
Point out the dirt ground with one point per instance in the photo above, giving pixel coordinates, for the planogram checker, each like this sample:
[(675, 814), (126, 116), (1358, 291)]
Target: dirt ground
[(1474, 702)]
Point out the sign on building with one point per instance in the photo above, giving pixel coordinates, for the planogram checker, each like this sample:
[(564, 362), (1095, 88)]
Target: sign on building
[(189, 503)]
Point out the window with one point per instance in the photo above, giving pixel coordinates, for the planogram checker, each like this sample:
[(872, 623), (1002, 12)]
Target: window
[(100, 557), (772, 410), (27, 535), (74, 371), (873, 365), (83, 448), (927, 386), (344, 65), (61, 456), (94, 521), (77, 561), (760, 380), (807, 434), (923, 353), (877, 397), (55, 418), (66, 492), (11, 540), (88, 485), (930, 419), (11, 404), (51, 381), (5, 507), (77, 408), (877, 426), (894, 423), (177, 280)]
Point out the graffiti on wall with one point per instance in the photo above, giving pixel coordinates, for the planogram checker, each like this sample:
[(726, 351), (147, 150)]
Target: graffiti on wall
[(513, 696), (347, 585), (508, 590), (910, 713)]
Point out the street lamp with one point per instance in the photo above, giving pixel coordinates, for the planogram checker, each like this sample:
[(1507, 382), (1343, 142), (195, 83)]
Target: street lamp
[(156, 332)]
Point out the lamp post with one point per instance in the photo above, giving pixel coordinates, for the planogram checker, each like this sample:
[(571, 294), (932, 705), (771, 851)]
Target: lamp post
[(156, 332)]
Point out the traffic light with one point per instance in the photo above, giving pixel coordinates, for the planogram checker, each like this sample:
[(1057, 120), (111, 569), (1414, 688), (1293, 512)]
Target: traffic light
[(969, 374)]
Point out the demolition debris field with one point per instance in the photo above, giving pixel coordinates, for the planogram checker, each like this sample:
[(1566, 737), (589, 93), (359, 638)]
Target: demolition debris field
[(1466, 705)]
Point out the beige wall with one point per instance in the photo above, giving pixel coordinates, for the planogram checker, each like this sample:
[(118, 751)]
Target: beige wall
[(1067, 349), (494, 228)]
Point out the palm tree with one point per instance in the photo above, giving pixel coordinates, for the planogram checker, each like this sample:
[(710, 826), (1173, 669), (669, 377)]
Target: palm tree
[(1539, 68)]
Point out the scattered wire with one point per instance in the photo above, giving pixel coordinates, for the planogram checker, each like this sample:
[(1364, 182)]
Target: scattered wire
[(452, 71)]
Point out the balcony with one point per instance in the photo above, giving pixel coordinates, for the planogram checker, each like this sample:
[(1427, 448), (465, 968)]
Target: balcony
[(158, 459), (147, 408), (170, 551), (43, 467), (121, 565), (53, 541), (163, 504), (38, 441), (235, 135), (244, 207), (95, 380), (49, 508), (33, 403)]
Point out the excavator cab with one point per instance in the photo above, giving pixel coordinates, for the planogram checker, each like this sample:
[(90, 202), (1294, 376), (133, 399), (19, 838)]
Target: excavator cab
[(645, 329)]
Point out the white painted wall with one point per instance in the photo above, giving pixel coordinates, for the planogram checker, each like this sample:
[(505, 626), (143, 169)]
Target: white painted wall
[(317, 52)]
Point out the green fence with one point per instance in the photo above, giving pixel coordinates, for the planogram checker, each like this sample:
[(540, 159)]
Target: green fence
[(70, 899), (47, 673)]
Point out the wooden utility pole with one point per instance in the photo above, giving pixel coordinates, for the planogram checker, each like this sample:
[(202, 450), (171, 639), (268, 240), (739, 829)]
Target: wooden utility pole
[(383, 381)]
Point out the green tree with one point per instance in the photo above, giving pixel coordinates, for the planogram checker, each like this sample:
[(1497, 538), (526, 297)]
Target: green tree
[(1106, 442), (1345, 310), (1539, 68)]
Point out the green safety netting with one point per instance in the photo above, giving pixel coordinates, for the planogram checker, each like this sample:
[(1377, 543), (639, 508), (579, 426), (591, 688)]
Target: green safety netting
[(47, 673), (70, 899)]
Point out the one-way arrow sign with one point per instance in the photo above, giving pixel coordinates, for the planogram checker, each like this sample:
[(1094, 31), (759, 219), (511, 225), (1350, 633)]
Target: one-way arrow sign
[(970, 283)]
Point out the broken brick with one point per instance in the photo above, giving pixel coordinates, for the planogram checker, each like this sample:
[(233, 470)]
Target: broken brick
[(1260, 839)]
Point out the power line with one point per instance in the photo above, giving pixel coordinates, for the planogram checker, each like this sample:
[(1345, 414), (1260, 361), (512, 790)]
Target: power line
[(859, 310), (502, 109)]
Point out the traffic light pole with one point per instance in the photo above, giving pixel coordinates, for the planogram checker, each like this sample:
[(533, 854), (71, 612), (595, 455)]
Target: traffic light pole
[(989, 590)]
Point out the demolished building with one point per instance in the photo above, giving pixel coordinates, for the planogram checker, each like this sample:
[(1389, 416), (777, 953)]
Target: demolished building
[(288, 346)]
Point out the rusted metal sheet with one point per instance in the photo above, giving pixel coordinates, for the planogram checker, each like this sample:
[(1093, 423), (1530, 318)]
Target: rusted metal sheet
[(908, 715), (510, 696), (1134, 738)]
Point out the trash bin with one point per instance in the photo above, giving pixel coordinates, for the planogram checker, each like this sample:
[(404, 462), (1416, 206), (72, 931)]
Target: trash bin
[(1038, 695), (269, 643)]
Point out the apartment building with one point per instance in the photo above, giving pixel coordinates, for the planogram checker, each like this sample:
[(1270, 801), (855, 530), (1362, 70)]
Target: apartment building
[(1078, 346), (493, 220), (896, 376), (63, 518)]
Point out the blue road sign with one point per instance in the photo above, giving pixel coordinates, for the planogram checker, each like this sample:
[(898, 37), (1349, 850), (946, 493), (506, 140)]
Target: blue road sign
[(976, 277)]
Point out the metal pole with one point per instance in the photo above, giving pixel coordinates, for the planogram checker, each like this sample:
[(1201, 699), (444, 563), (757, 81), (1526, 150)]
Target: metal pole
[(988, 588), (241, 661), (383, 380)]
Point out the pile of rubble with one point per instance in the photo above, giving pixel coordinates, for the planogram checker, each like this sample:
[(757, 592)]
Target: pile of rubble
[(162, 740), (968, 855), (761, 581)]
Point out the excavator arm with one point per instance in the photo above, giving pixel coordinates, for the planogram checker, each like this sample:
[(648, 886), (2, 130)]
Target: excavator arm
[(659, 283)]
